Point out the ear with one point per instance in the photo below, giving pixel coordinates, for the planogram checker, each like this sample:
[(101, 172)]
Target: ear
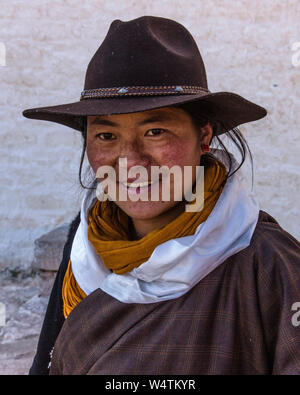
[(206, 133)]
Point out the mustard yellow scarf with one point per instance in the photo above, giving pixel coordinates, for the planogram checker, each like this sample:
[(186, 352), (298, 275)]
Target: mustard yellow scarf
[(108, 231)]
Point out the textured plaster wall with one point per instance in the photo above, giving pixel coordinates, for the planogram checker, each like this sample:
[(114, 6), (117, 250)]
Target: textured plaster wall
[(248, 47)]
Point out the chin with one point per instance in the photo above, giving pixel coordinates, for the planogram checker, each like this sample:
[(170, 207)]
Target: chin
[(145, 210)]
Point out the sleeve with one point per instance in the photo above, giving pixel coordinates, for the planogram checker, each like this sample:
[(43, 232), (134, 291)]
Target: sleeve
[(54, 317), (278, 287)]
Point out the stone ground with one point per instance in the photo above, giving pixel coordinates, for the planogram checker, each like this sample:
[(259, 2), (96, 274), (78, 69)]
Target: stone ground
[(25, 300)]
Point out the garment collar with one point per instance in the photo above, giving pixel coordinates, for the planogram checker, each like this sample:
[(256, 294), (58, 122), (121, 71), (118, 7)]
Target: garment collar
[(177, 265)]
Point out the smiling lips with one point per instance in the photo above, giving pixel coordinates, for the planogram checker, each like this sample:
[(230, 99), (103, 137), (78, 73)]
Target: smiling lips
[(137, 184), (132, 184)]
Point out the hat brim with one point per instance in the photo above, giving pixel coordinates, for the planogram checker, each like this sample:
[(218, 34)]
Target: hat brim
[(229, 107)]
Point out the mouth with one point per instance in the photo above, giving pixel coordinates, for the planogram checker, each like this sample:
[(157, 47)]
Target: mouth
[(139, 187), (137, 184)]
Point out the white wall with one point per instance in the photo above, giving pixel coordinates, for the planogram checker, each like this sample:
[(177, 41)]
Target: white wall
[(247, 49)]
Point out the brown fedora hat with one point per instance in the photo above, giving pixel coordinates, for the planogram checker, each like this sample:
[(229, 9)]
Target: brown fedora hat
[(143, 64)]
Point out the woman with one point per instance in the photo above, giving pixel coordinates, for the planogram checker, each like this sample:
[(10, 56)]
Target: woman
[(149, 286)]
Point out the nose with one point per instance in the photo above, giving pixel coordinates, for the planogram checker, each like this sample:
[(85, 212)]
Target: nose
[(135, 155)]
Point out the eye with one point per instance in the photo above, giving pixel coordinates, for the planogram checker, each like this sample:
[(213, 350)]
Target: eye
[(105, 136), (156, 132)]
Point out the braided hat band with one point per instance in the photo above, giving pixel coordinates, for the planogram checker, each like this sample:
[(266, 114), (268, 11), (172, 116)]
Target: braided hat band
[(141, 91)]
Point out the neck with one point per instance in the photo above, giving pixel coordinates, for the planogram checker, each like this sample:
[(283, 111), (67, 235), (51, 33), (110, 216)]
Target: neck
[(141, 227)]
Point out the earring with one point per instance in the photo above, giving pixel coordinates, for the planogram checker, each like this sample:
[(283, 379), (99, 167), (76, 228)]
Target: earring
[(205, 147)]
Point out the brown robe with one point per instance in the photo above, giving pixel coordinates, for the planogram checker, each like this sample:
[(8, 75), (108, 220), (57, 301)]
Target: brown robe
[(237, 320)]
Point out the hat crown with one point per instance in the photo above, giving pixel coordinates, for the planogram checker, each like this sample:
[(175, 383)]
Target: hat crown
[(147, 51)]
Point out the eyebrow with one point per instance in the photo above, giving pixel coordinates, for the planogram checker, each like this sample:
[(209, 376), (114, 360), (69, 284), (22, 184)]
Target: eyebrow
[(151, 119)]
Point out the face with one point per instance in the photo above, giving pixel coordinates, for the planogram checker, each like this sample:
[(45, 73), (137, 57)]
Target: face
[(160, 137)]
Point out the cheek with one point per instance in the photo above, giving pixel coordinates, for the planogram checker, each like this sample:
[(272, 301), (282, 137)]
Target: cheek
[(187, 153), (98, 157), (182, 154)]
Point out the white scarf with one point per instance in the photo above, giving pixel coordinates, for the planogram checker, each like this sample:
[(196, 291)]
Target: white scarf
[(177, 265)]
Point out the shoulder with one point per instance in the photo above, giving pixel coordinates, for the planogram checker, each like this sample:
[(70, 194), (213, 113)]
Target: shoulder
[(71, 234), (267, 227), (271, 262), (272, 259), (54, 317), (73, 227), (276, 258), (271, 242)]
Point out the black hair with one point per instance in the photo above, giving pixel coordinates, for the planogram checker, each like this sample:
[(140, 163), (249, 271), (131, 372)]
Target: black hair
[(206, 114), (200, 119), (84, 136)]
